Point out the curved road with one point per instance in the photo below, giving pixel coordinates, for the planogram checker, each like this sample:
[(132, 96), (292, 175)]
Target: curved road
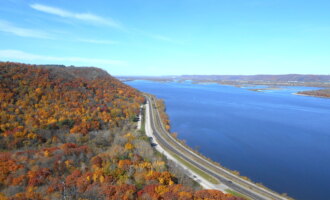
[(233, 181)]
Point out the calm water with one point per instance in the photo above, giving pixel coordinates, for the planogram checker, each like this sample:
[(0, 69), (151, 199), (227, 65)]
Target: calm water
[(273, 137)]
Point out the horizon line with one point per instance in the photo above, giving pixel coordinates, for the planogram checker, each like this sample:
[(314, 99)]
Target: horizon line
[(222, 75)]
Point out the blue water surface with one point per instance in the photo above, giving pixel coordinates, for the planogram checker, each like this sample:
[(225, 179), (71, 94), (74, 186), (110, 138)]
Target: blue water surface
[(274, 137)]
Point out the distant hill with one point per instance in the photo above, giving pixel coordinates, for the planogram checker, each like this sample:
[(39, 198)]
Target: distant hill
[(272, 78), (238, 80)]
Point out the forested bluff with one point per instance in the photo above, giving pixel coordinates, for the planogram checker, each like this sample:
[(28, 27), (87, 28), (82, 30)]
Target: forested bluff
[(70, 133)]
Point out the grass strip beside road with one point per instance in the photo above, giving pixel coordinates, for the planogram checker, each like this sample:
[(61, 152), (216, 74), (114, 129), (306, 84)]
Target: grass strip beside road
[(143, 120), (236, 194), (196, 170)]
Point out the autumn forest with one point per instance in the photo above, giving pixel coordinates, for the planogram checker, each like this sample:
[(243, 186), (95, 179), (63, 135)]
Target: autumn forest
[(70, 133)]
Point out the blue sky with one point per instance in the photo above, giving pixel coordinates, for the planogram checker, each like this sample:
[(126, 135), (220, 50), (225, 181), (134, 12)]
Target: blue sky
[(172, 37)]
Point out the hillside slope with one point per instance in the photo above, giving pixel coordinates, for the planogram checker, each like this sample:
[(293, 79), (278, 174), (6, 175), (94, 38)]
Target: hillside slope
[(70, 133)]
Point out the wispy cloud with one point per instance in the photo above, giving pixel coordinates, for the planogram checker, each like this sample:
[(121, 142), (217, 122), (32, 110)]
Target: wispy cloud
[(164, 38), (86, 17), (161, 37), (21, 55), (22, 32), (110, 42)]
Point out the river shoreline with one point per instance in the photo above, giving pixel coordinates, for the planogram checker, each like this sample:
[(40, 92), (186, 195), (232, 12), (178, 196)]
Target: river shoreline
[(253, 133)]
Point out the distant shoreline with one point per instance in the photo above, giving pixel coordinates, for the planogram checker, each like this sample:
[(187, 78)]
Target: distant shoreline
[(268, 85), (310, 95)]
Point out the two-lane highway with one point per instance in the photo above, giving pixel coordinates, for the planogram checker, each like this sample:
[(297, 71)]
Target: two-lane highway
[(233, 181)]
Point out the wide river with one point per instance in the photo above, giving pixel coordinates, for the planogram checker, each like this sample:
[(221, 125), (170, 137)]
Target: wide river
[(274, 137)]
